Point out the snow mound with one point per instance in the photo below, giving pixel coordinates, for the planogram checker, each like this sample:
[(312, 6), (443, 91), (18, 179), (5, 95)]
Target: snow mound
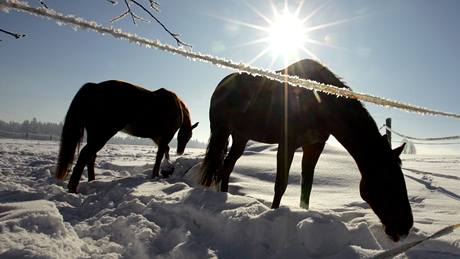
[(36, 229), (126, 214)]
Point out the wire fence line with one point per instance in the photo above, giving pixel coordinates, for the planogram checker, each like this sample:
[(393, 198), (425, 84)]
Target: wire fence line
[(28, 135), (80, 23), (423, 139), (426, 143)]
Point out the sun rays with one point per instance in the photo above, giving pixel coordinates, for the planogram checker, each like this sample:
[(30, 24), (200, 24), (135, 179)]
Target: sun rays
[(286, 33)]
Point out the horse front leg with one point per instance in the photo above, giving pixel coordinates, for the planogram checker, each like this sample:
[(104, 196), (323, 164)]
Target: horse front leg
[(167, 153), (284, 159), (162, 148), (310, 157), (90, 167)]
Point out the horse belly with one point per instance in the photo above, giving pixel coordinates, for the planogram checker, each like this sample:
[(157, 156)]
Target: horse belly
[(140, 131), (270, 127), (270, 136), (267, 130)]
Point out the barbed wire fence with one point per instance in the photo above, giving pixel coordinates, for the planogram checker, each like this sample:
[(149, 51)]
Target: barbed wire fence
[(424, 141), (80, 23)]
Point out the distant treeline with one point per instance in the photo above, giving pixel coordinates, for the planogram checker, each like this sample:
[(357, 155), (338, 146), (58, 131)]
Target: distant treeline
[(32, 129), (37, 130)]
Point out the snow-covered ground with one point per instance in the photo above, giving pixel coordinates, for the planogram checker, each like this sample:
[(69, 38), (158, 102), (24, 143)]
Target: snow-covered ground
[(124, 214)]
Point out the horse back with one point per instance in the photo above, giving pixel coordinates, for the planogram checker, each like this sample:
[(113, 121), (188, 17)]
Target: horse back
[(257, 108), (262, 109), (118, 105)]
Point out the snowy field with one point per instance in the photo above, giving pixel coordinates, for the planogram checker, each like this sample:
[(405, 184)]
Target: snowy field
[(124, 214)]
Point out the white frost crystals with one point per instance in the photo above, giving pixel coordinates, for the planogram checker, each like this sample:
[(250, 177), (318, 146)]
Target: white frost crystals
[(221, 62)]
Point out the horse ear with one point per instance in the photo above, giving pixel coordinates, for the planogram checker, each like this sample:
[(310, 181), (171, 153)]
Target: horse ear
[(397, 151), (194, 125)]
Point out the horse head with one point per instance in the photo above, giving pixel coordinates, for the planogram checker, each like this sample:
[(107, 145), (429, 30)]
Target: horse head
[(183, 136), (385, 192)]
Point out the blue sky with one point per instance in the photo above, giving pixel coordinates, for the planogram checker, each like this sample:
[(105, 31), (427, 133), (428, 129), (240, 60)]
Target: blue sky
[(403, 50)]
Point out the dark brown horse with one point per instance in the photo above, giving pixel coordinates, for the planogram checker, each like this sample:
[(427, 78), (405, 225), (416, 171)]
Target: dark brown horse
[(254, 108), (104, 109)]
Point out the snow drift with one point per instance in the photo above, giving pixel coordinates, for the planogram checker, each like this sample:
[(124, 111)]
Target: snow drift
[(124, 214)]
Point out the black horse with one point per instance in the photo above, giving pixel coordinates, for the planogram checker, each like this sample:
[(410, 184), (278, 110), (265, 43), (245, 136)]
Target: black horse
[(104, 109), (254, 108)]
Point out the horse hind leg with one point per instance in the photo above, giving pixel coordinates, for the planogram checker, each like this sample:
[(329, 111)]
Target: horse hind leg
[(87, 156), (212, 163), (237, 149), (310, 157)]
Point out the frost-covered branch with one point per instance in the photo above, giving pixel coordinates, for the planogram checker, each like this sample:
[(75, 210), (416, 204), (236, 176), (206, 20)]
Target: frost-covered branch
[(80, 23), (43, 4), (134, 17), (151, 5), (15, 35)]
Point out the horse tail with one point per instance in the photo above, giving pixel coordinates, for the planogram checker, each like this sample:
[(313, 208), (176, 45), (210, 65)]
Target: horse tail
[(213, 160), (72, 133)]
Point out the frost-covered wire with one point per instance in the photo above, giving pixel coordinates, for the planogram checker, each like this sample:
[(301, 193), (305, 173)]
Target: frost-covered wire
[(424, 139), (428, 143), (406, 246), (80, 23)]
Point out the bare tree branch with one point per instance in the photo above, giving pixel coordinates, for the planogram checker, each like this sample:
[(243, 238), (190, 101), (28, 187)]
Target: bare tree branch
[(155, 6), (174, 35), (15, 35), (44, 4), (134, 17), (121, 16)]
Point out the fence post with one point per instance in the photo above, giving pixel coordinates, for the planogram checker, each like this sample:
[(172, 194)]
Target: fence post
[(388, 132)]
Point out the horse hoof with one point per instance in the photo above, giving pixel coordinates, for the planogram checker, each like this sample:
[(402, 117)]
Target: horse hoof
[(304, 205), (166, 173), (72, 190)]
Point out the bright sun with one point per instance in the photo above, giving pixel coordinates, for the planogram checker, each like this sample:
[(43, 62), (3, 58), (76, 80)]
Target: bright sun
[(286, 35)]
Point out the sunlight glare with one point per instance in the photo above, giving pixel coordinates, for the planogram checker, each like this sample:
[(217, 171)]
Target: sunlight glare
[(287, 35)]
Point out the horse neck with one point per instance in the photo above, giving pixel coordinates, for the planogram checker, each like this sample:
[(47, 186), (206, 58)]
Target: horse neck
[(186, 122), (357, 132)]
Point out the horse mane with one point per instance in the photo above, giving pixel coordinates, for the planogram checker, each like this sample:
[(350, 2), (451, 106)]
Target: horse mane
[(313, 70)]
